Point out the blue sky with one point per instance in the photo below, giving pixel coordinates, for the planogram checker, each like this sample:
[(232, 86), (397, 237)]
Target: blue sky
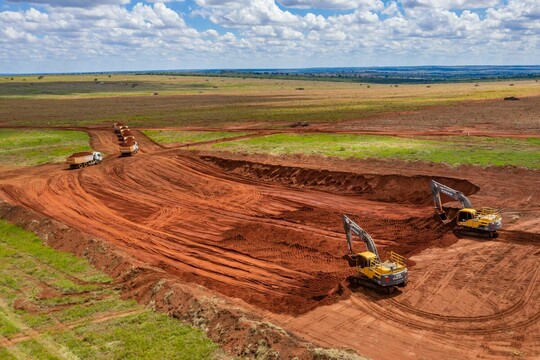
[(112, 35)]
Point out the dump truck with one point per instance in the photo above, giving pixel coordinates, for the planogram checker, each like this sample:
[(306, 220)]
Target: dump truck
[(123, 135), (121, 129), (129, 148), (485, 221), (117, 127), (128, 139), (83, 159), (372, 272)]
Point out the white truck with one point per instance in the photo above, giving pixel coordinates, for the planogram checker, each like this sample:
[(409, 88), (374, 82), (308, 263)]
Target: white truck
[(83, 159)]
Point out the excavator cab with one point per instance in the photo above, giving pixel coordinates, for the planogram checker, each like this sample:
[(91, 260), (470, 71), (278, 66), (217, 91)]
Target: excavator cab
[(465, 215), (363, 259)]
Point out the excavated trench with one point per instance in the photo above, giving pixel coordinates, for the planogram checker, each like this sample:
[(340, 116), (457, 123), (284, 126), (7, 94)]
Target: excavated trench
[(398, 189), (310, 242), (247, 230)]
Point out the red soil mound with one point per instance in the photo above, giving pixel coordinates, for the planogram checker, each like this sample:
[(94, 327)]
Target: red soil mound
[(388, 188)]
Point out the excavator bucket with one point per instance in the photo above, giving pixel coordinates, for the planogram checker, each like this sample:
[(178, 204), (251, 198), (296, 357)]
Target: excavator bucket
[(351, 259), (443, 217)]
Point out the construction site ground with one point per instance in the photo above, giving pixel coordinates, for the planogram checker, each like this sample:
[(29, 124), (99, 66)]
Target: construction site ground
[(266, 232)]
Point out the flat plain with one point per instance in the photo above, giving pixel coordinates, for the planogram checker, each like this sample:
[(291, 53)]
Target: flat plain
[(254, 219)]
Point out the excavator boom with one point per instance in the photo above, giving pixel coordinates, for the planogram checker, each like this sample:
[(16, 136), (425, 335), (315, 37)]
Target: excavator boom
[(438, 188), (351, 227)]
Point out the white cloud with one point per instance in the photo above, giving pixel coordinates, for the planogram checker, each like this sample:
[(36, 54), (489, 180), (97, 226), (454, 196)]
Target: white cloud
[(321, 4), (245, 13), (451, 4), (74, 3), (259, 33)]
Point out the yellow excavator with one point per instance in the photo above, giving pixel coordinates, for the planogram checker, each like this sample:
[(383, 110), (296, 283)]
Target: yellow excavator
[(485, 221), (372, 271)]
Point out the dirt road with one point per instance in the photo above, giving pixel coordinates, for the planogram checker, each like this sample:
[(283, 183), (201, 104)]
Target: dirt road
[(271, 236)]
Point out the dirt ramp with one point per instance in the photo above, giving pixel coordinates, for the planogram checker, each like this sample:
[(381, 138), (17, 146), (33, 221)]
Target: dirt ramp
[(386, 188)]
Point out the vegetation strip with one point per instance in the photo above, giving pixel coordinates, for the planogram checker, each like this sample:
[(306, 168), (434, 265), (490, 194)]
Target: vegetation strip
[(188, 137), (35, 147), (453, 150), (37, 322)]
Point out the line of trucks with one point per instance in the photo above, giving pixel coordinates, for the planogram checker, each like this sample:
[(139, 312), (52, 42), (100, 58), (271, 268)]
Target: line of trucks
[(128, 147)]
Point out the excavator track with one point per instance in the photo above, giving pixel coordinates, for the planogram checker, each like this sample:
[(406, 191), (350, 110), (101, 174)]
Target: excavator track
[(356, 281), (460, 230)]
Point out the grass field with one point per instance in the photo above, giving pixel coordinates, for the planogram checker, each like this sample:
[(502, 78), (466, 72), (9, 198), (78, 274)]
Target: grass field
[(187, 137), (452, 150), (34, 147), (56, 306), (155, 101)]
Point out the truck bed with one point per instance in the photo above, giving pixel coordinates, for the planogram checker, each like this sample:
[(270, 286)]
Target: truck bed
[(81, 157)]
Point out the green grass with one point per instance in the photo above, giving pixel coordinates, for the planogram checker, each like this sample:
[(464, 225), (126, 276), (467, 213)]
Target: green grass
[(78, 312), (7, 329), (25, 246), (482, 151), (141, 336), (187, 137), (34, 147), (77, 100), (6, 355), (103, 326)]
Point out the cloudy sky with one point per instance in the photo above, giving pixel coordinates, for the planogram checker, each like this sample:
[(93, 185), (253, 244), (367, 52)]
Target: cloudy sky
[(109, 35)]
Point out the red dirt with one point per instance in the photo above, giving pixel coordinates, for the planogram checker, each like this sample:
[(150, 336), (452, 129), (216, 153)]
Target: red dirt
[(386, 188), (271, 236), (84, 153)]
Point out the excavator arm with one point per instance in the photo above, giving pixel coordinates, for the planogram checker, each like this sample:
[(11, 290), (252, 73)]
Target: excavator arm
[(438, 188), (350, 228)]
